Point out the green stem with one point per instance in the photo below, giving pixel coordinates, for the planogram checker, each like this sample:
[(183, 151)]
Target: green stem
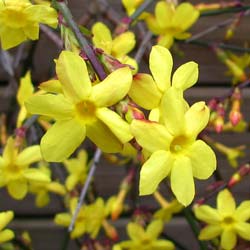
[(138, 12), (66, 240), (97, 66), (219, 45), (235, 9), (191, 221)]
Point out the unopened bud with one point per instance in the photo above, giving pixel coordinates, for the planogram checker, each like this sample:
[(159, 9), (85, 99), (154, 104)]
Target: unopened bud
[(110, 231)]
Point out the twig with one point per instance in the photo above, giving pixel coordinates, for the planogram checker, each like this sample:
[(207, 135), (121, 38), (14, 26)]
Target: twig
[(88, 50), (225, 10), (85, 188), (138, 12), (143, 46), (52, 36)]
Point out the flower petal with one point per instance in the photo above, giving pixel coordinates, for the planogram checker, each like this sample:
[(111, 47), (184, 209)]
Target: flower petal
[(154, 170), (101, 135), (52, 86), (29, 155), (63, 219), (225, 203), (5, 218), (18, 188), (185, 16), (115, 123), (161, 64), (135, 231), (123, 44), (203, 160), (73, 75), (243, 230), (210, 232), (228, 239), (154, 229), (10, 151), (42, 14), (151, 135), (207, 214), (102, 37), (6, 235), (61, 140), (54, 106), (182, 182), (164, 13), (144, 91), (243, 211), (196, 118), (153, 25), (166, 40), (173, 110), (36, 175), (32, 31), (185, 76), (11, 37), (113, 88)]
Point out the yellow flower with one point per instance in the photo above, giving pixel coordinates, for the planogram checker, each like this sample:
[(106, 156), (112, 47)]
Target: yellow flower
[(89, 220), (81, 109), (148, 91), (42, 189), (131, 5), (170, 22), (77, 169), (145, 239), (173, 147), (20, 21), (118, 47), (15, 172), (25, 90), (227, 220), (5, 234)]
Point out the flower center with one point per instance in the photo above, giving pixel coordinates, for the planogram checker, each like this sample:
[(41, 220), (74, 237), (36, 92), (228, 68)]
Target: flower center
[(85, 112), (228, 220), (178, 144), (14, 16)]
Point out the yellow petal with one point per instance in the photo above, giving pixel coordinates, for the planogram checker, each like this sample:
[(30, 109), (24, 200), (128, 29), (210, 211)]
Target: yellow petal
[(243, 211), (73, 75), (29, 155), (154, 170), (56, 188), (22, 114), (186, 76), (42, 14), (123, 44), (154, 115), (5, 218), (25, 89), (54, 106), (207, 214), (225, 203), (153, 25), (115, 123), (42, 199), (52, 86), (173, 110), (196, 118), (166, 40), (102, 37), (61, 140), (160, 64), (228, 239), (210, 232), (203, 160), (11, 37), (154, 229), (102, 136), (63, 219), (6, 235), (135, 231), (163, 244), (185, 16), (151, 135), (164, 13), (144, 91), (243, 230), (32, 31), (182, 182), (35, 175), (71, 182), (113, 88), (18, 189)]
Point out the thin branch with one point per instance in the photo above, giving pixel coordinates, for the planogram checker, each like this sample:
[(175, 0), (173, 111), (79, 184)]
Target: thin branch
[(143, 46), (52, 36), (96, 159), (235, 9)]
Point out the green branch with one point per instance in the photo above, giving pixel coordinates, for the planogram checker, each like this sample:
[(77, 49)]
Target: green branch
[(235, 9)]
